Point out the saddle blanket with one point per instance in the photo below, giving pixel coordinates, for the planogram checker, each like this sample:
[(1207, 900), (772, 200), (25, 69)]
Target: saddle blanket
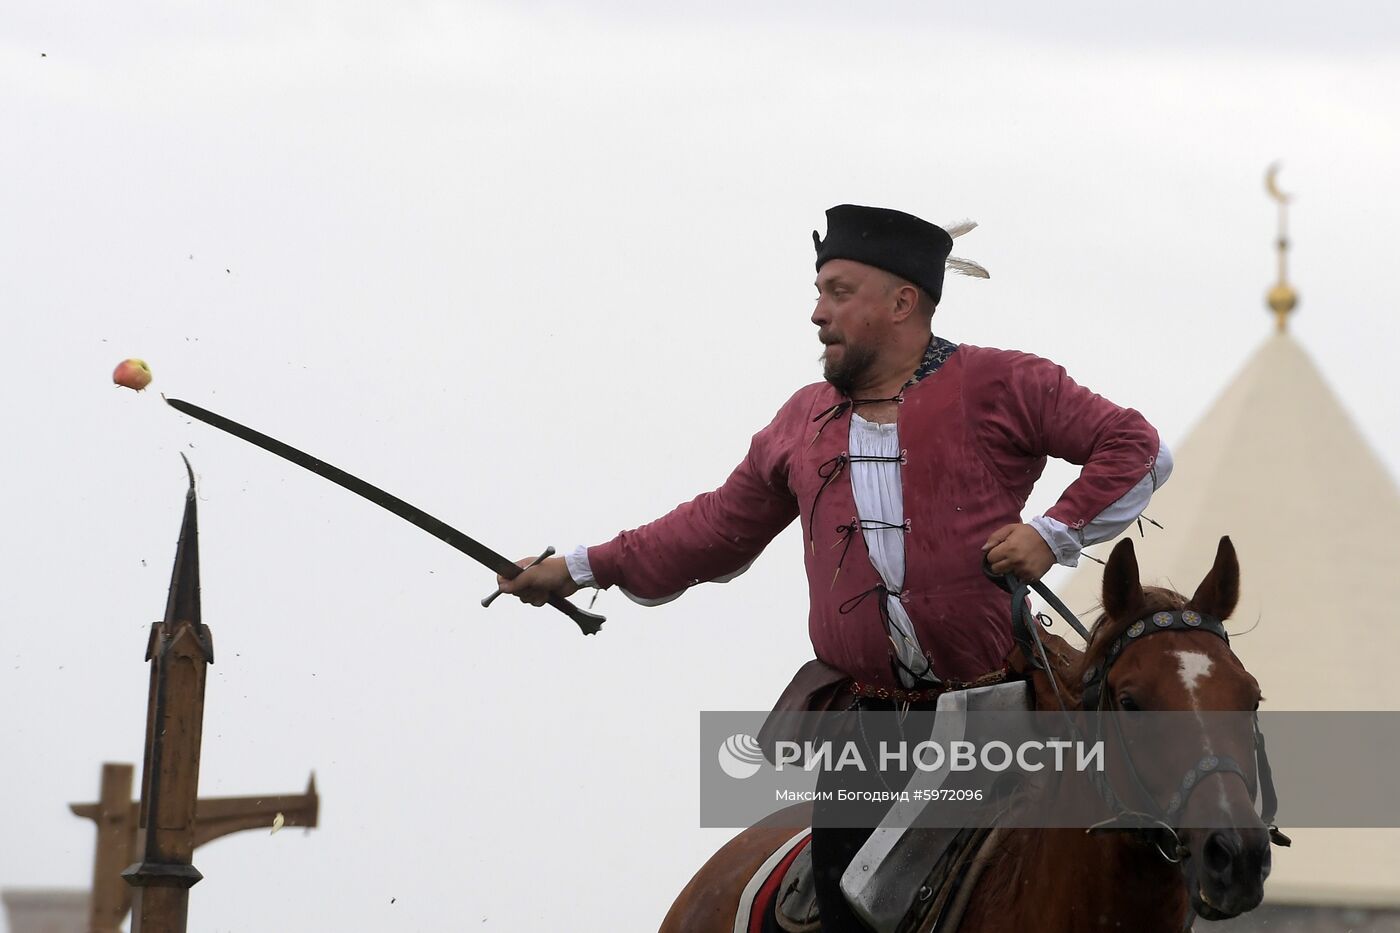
[(756, 901)]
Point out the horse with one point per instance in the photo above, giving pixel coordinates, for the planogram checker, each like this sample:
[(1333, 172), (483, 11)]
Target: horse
[(1153, 879)]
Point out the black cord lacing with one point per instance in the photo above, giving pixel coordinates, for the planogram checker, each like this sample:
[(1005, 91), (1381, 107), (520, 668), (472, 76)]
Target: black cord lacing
[(828, 471), (848, 533), (884, 593), (849, 405)]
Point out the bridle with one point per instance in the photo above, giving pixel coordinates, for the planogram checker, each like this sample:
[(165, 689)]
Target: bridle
[(1161, 821)]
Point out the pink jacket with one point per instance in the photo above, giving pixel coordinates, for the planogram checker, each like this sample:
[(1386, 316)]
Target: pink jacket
[(975, 436)]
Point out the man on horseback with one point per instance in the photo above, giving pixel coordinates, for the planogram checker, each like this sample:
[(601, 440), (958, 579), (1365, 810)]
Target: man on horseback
[(907, 466)]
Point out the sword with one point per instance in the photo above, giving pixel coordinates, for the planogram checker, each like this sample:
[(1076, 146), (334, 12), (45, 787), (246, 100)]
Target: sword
[(588, 622)]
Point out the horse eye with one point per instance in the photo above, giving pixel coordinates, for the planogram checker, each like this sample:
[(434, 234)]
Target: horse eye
[(1127, 703)]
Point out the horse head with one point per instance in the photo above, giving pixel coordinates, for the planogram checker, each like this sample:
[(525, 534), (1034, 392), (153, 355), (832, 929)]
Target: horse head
[(1206, 777)]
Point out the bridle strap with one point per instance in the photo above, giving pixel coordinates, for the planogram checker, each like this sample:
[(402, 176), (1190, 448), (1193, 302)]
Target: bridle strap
[(1058, 605), (1209, 764), (1026, 631), (1267, 793), (1020, 608), (1146, 794)]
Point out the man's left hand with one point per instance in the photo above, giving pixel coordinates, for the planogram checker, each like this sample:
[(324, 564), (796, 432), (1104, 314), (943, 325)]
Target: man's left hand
[(1019, 549)]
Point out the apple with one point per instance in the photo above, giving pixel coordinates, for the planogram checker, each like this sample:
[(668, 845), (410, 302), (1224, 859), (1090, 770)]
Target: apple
[(132, 373)]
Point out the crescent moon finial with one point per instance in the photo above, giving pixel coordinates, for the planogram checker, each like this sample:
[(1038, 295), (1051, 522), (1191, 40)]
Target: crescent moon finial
[(1271, 184), (1282, 298)]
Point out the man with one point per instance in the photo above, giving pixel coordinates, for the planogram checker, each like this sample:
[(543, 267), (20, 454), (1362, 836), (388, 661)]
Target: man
[(907, 466)]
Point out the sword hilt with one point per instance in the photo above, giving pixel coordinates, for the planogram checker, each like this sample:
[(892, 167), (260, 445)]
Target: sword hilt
[(547, 552)]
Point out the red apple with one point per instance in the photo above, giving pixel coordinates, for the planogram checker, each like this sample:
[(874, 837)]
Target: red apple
[(132, 373)]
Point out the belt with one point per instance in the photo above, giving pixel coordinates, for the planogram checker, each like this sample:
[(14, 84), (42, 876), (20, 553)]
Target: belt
[(925, 695)]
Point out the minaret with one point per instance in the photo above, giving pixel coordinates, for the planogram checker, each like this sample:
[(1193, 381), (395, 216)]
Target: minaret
[(1282, 299)]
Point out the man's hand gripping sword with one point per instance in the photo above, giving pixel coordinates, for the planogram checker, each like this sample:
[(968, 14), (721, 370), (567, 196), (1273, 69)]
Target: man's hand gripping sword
[(588, 622)]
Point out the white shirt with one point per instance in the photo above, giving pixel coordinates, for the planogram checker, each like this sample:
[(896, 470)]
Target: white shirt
[(879, 496)]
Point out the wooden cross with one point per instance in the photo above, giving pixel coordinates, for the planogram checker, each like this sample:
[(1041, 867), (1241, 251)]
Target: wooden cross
[(117, 817)]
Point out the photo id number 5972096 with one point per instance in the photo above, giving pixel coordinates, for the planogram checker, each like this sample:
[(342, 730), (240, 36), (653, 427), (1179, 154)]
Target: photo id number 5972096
[(931, 794)]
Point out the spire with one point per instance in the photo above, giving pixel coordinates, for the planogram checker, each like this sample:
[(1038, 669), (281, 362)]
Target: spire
[(1282, 299), (179, 651), (183, 602)]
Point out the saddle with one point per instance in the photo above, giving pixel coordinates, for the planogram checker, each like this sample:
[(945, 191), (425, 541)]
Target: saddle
[(903, 877), (920, 878), (792, 904)]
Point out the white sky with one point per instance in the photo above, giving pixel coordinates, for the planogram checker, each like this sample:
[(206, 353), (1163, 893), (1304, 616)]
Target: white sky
[(543, 271)]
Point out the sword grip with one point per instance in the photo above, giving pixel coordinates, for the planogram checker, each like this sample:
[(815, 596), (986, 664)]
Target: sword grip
[(588, 622), (548, 552)]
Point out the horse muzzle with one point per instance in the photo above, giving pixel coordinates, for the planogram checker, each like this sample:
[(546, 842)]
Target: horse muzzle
[(1226, 871)]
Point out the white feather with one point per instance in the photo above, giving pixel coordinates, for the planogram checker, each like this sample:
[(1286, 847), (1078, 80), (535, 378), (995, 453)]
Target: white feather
[(958, 229), (967, 267)]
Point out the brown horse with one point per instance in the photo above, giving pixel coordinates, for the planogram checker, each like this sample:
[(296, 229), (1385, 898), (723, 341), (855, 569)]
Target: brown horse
[(1069, 880)]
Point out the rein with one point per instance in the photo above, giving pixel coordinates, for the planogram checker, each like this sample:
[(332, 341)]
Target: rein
[(1025, 630)]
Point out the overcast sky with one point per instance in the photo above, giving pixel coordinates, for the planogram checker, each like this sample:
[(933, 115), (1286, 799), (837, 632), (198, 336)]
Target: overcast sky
[(543, 270)]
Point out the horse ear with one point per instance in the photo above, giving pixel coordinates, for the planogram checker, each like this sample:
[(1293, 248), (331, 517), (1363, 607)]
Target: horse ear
[(1219, 592), (1122, 587)]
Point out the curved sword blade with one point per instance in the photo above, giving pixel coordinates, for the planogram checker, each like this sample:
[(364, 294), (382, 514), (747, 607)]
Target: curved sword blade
[(588, 622)]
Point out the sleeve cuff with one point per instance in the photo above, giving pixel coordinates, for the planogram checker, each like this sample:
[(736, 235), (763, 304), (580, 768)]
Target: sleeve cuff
[(1064, 541), (1161, 467), (579, 568)]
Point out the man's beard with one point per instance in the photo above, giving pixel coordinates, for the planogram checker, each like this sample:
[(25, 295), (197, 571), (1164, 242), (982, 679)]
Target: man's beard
[(855, 363)]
